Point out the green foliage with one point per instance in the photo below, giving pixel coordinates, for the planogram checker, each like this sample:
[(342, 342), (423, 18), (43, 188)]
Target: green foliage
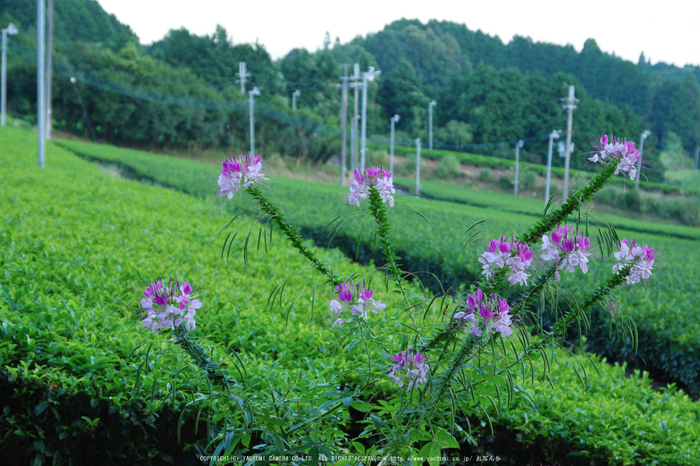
[(429, 248), (689, 179), (527, 180), (619, 428), (677, 109), (673, 157), (74, 20), (684, 210), (68, 301), (124, 120), (505, 183), (310, 74), (449, 168), (456, 132), (434, 58), (401, 93), (75, 258), (490, 97), (377, 158), (213, 58), (485, 174)]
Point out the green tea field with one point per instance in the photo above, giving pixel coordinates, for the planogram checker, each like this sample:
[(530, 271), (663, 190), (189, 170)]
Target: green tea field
[(82, 380)]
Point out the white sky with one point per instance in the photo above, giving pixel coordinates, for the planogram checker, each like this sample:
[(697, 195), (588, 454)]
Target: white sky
[(664, 30)]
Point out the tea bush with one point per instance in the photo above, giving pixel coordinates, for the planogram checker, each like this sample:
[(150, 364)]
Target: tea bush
[(449, 168), (496, 163), (485, 174)]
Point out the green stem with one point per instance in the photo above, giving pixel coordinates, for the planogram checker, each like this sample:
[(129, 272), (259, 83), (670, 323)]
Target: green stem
[(464, 352), (378, 209), (613, 282), (535, 289), (291, 231), (572, 203), (199, 356), (369, 357)]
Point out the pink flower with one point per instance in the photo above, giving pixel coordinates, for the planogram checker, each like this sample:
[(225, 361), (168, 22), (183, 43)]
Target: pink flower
[(379, 178), (640, 258), (344, 293), (413, 366), (568, 251), (358, 189), (169, 306), (244, 169), (355, 300), (489, 314), (503, 252), (619, 151)]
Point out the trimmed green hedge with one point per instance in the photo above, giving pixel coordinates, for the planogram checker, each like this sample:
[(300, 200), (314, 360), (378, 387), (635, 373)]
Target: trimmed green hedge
[(496, 163), (76, 248), (509, 203)]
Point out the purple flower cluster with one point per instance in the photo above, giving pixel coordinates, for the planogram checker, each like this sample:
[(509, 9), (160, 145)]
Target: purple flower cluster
[(641, 258), (501, 253), (242, 170), (620, 151), (169, 306), (355, 301), (486, 314), (379, 178), (412, 366), (570, 249)]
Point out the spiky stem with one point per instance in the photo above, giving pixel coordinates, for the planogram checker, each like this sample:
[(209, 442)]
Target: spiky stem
[(464, 352), (199, 356), (378, 210), (291, 232), (572, 203), (613, 282), (535, 289)]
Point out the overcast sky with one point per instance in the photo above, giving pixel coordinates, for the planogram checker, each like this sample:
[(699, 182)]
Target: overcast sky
[(666, 31)]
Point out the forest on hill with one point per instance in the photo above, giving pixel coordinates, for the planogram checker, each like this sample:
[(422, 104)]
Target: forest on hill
[(181, 91)]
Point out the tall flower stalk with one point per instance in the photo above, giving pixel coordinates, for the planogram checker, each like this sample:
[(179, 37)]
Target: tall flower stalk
[(291, 232), (378, 210), (245, 171), (578, 198)]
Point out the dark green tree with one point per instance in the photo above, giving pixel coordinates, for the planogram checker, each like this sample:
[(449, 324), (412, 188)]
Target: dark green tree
[(400, 91)]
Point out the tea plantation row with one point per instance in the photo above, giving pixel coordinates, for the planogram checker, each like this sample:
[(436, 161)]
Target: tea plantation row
[(497, 163), (669, 333), (508, 203)]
